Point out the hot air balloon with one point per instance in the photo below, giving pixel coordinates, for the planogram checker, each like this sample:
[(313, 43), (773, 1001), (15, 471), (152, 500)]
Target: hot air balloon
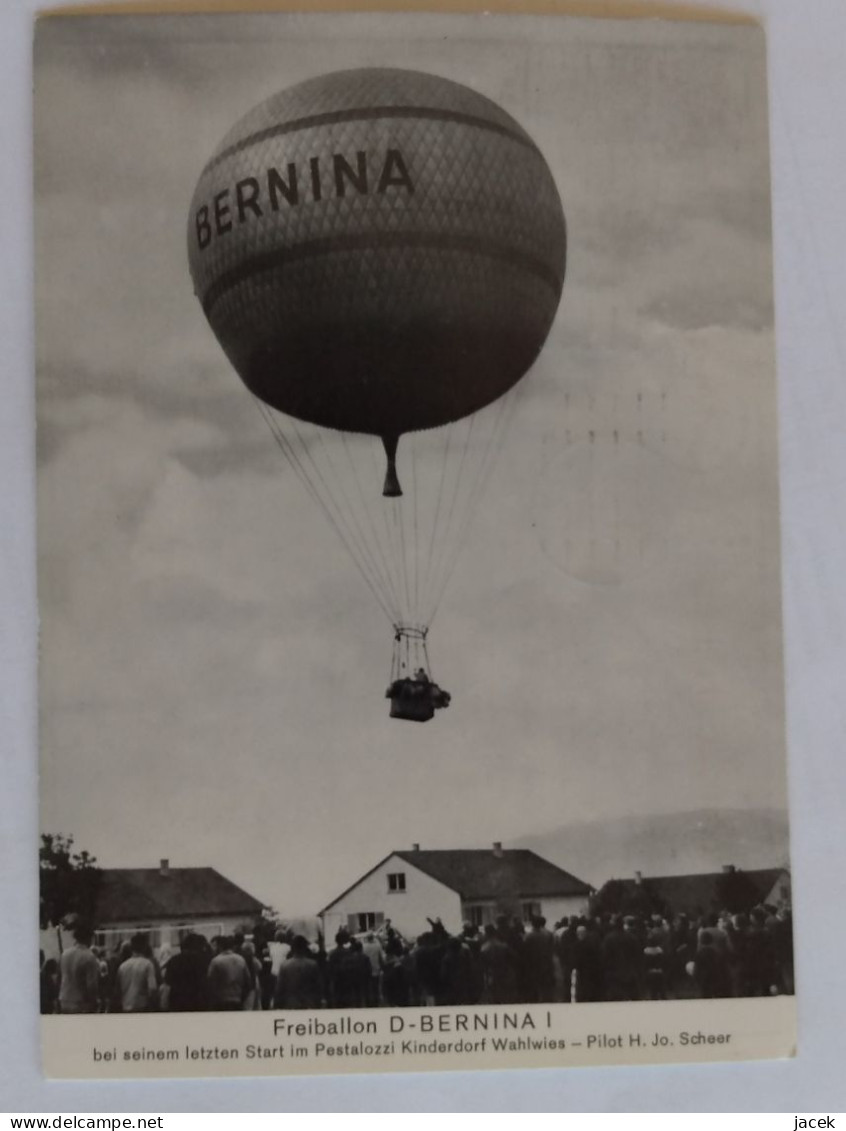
[(381, 254)]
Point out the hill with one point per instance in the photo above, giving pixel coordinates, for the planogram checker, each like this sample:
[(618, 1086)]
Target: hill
[(665, 844)]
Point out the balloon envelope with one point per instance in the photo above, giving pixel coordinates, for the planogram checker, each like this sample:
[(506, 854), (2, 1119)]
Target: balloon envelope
[(378, 250)]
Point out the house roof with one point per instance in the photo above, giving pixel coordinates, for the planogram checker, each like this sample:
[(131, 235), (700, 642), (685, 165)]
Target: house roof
[(150, 894), (701, 892), (480, 873)]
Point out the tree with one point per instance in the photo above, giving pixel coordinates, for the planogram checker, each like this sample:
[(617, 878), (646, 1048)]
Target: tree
[(620, 897), (69, 881), (735, 891), (609, 899)]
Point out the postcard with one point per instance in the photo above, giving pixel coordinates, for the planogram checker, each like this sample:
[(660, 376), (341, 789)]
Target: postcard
[(411, 681)]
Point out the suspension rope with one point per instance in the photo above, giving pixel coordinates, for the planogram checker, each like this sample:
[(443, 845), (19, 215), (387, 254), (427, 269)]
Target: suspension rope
[(405, 567), (416, 542), (494, 445), (406, 552), (454, 496), (376, 562), (355, 536), (383, 559), (444, 464), (296, 465), (409, 652), (383, 511)]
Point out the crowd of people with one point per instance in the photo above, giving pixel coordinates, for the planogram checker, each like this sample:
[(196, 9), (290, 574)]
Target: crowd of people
[(587, 958)]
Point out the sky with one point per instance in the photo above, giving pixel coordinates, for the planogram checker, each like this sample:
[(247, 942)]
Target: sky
[(212, 668)]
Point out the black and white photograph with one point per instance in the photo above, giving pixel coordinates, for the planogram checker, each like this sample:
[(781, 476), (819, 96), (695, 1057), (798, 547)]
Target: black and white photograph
[(410, 661)]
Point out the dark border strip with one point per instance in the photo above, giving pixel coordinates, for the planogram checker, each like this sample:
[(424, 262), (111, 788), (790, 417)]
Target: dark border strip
[(312, 249), (369, 114)]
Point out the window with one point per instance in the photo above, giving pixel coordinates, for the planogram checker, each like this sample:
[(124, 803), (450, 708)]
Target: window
[(396, 881), (479, 914), (361, 921), (530, 910)]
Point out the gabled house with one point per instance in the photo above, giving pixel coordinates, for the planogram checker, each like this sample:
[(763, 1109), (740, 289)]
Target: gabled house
[(167, 903), (707, 892), (456, 886)]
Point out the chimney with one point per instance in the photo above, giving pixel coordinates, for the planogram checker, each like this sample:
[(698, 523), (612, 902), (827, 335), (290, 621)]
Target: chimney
[(638, 877), (728, 869), (164, 867), (497, 848), (415, 848)]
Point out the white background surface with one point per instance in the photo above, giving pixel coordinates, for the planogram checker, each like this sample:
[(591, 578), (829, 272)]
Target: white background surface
[(807, 41)]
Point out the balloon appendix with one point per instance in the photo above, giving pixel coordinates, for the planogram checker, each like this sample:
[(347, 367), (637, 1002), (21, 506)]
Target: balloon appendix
[(382, 252)]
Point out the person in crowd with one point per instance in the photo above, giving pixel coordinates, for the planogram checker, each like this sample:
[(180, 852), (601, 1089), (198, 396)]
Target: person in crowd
[(361, 972), (622, 961), (228, 978), (104, 985), (538, 950), (682, 954), (137, 984), (761, 974), (344, 972), (247, 951), (395, 988), (736, 958), (499, 969), (298, 984), (715, 925), (456, 975), (710, 967), (429, 953), (266, 980), (586, 965), (782, 940), (375, 953), (79, 974), (161, 957), (49, 984), (114, 962), (186, 976), (280, 948), (655, 966), (470, 938), (565, 947)]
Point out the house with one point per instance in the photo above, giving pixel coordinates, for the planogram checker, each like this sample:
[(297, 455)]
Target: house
[(167, 903), (456, 886), (707, 892)]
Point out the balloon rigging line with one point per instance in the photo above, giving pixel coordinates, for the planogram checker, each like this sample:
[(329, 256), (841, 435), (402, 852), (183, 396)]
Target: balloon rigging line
[(408, 594), (416, 543), (355, 534), (355, 520), (444, 464), (456, 493), (362, 557), (493, 447), (389, 520), (400, 513), (405, 570), (452, 539), (288, 450), (384, 518), (382, 556), (393, 506), (293, 460)]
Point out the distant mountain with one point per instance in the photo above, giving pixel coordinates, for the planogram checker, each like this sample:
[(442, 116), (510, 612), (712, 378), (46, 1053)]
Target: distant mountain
[(666, 844)]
